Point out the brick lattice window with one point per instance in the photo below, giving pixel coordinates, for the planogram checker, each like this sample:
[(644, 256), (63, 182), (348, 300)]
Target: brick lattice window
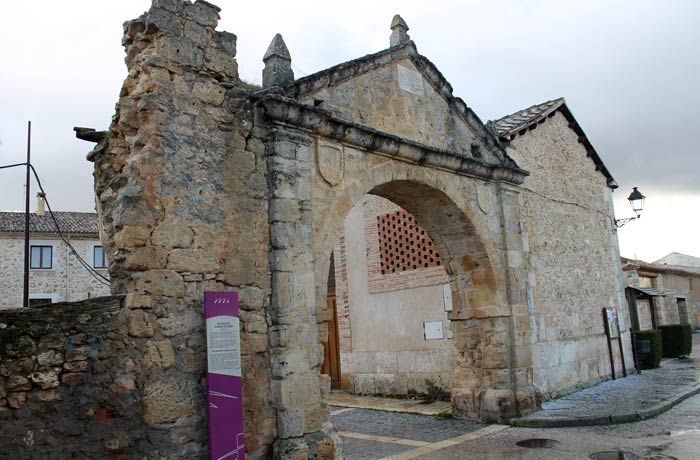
[(403, 244)]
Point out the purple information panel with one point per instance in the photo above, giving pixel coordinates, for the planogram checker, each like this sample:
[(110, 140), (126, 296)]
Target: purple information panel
[(224, 389)]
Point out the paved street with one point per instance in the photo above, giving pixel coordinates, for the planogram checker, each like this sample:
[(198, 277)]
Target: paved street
[(391, 434), (370, 435)]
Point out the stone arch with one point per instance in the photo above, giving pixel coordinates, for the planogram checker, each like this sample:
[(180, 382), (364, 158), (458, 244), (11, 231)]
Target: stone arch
[(478, 289)]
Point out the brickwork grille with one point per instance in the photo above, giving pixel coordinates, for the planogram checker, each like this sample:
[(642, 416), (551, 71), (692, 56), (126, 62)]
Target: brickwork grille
[(403, 244)]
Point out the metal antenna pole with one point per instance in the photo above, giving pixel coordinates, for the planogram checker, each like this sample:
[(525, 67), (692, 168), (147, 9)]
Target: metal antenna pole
[(26, 219)]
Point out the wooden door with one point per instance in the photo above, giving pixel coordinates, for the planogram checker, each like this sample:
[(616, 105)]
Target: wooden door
[(331, 351)]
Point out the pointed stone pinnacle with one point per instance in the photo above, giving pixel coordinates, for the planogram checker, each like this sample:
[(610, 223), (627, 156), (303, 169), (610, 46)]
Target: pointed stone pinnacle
[(277, 48), (398, 32), (278, 64), (398, 22)]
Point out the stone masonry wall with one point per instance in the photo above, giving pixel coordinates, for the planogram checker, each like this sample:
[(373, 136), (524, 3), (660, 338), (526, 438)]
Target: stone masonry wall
[(64, 386), (66, 281), (182, 192), (573, 264)]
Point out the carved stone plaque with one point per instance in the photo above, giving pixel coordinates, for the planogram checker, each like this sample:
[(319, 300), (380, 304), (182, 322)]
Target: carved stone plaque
[(410, 80), (483, 196), (331, 161)]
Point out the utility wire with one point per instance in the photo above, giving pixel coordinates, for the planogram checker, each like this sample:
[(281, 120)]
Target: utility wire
[(13, 166), (95, 274)]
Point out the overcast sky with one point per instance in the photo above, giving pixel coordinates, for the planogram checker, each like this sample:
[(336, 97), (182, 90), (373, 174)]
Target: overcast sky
[(629, 70)]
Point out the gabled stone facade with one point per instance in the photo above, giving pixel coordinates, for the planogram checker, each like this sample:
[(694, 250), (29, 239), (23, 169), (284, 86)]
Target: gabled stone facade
[(203, 184)]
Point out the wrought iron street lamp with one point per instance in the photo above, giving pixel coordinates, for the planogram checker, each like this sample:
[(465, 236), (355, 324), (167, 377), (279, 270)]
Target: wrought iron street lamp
[(636, 200)]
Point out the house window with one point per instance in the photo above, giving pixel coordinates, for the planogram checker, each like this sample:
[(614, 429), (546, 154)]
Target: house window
[(99, 258), (40, 302), (41, 257)]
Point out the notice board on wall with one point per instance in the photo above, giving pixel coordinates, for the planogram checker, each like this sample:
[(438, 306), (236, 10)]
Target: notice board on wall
[(224, 383)]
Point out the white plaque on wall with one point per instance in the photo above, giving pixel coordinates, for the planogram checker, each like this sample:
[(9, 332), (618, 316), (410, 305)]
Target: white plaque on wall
[(447, 296), (433, 330), (410, 80)]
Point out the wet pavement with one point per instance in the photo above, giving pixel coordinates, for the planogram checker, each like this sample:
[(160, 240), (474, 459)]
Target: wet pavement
[(374, 434), (633, 398), (663, 404)]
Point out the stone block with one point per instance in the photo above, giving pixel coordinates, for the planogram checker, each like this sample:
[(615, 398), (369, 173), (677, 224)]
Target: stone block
[(50, 358), (124, 385), (209, 92), (253, 322), (498, 405), (145, 258), (78, 366), (364, 384), (169, 400), (226, 42), (18, 383), (47, 395), (293, 335), (289, 423), (165, 21), (3, 388), (193, 260), (190, 362), (221, 62), (302, 390), (134, 301), (358, 362), (432, 360), (181, 322), (403, 359), (72, 379), (16, 399), (253, 343), (173, 233), (131, 236), (163, 282), (290, 449), (287, 362), (180, 50), (21, 347), (78, 354), (314, 417), (390, 384), (285, 210), (141, 324), (386, 362), (46, 379), (158, 354)]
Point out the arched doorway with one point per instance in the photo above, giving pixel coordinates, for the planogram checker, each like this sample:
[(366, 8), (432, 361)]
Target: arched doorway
[(481, 332)]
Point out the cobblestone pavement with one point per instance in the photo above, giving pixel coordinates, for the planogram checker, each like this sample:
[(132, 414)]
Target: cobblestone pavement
[(624, 400), (371, 434), (674, 435)]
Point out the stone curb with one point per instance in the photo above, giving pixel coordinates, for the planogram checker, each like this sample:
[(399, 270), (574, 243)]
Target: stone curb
[(613, 419)]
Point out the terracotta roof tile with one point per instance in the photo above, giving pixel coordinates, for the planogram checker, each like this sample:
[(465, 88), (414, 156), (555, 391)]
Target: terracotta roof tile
[(522, 119), (74, 223)]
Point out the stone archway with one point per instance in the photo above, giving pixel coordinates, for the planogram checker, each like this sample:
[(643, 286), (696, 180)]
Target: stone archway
[(480, 319)]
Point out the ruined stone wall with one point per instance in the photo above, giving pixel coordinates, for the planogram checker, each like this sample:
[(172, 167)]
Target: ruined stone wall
[(64, 385), (182, 192), (573, 261), (66, 281)]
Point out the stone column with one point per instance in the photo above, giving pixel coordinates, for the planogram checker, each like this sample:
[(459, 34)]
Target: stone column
[(303, 421), (512, 392)]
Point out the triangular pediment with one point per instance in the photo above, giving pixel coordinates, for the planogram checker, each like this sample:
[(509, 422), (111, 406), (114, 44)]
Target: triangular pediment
[(399, 92)]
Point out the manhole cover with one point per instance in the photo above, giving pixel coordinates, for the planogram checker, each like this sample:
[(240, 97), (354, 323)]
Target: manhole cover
[(614, 455), (538, 443)]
